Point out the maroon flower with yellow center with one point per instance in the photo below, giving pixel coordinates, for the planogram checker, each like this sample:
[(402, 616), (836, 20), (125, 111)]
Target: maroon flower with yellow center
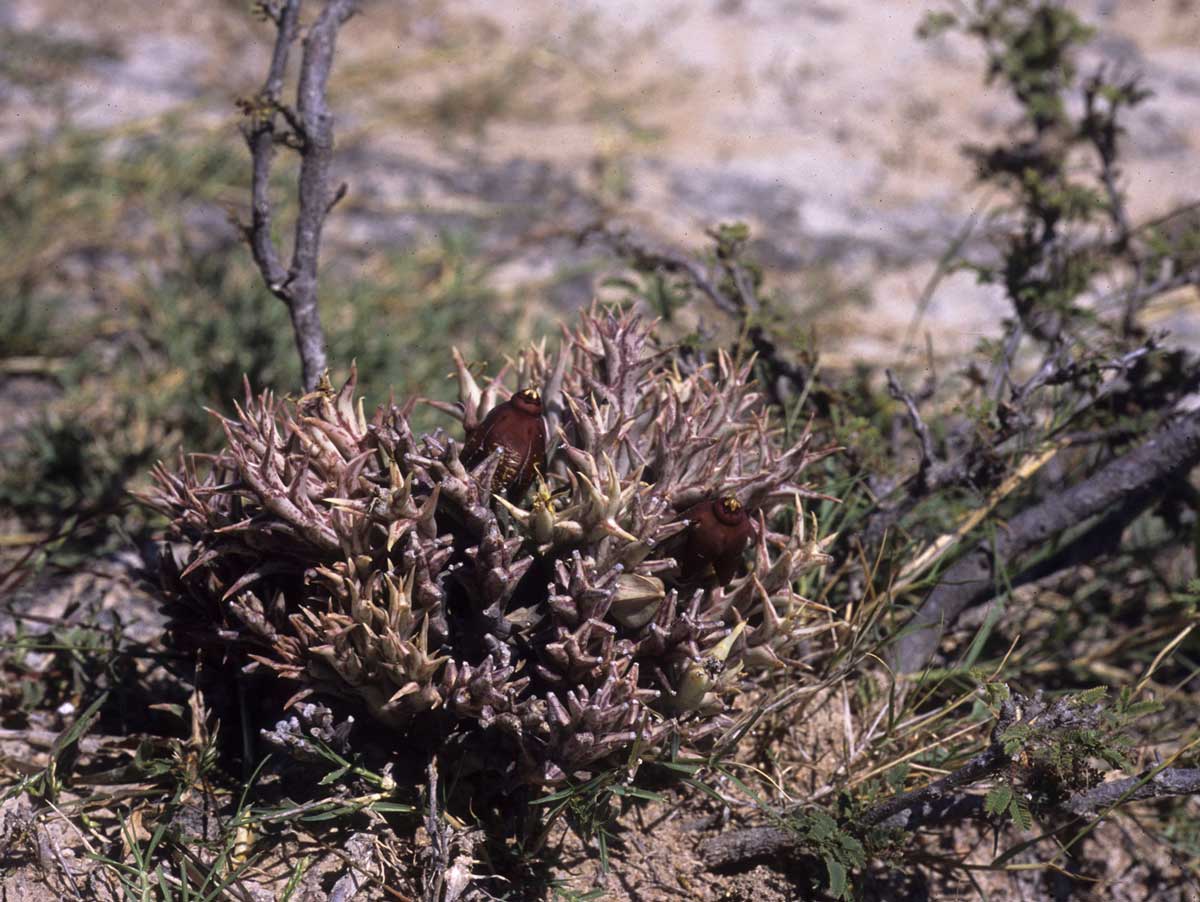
[(720, 531), (518, 429)]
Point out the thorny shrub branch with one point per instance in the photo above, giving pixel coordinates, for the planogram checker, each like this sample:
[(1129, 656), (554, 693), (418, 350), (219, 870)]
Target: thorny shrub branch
[(1133, 481), (928, 455), (737, 846), (309, 132), (726, 282), (945, 800)]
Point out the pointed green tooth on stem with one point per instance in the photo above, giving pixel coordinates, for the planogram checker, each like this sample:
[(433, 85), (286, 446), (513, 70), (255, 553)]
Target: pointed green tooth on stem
[(468, 389), (395, 530), (613, 528), (721, 650), (761, 657), (407, 689), (599, 504), (542, 518), (517, 513), (423, 636), (771, 621), (566, 532), (612, 485), (693, 686), (351, 505), (635, 553)]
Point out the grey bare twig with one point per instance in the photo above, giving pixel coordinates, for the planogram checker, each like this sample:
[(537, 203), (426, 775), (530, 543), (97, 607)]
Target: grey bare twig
[(948, 800), (1138, 293), (928, 457), (1132, 481), (308, 129), (433, 874), (892, 812), (1171, 781), (737, 846), (647, 254)]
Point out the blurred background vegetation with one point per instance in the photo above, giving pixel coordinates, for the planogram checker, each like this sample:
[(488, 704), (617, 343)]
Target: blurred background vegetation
[(174, 322), (480, 151)]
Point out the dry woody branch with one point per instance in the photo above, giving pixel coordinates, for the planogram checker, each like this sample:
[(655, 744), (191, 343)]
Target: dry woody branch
[(307, 129)]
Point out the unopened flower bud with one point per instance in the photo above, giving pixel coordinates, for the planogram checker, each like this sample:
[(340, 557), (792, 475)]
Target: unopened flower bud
[(637, 600)]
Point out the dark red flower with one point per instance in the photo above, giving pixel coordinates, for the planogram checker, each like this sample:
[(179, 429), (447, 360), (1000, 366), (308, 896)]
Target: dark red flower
[(517, 427), (720, 531)]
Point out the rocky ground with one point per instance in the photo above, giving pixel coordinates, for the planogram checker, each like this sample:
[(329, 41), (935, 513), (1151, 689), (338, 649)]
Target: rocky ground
[(826, 124)]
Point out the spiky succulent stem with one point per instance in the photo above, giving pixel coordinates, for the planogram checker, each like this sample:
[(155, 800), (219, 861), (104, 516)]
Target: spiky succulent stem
[(357, 559)]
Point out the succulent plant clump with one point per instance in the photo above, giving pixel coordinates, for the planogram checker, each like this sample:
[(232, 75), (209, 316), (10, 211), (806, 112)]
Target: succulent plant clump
[(622, 598)]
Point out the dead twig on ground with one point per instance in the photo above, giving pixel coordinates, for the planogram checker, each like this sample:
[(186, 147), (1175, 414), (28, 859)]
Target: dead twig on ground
[(947, 800), (1132, 482)]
